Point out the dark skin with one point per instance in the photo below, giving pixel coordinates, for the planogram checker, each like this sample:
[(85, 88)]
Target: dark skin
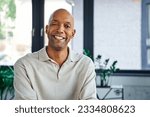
[(60, 31)]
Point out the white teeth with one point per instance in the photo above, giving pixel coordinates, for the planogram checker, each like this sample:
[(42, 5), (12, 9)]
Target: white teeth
[(58, 37)]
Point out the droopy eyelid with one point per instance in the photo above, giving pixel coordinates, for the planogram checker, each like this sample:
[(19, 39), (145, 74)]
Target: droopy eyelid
[(54, 23), (68, 26)]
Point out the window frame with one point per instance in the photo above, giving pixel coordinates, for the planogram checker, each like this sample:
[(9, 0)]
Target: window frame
[(37, 24), (144, 34)]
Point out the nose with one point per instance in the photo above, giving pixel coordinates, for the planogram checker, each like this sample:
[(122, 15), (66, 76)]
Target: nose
[(60, 28)]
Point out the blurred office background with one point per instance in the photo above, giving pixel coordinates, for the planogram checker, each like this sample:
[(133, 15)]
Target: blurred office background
[(114, 29)]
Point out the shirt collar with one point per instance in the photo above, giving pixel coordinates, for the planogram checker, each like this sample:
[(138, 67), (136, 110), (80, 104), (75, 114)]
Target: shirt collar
[(43, 56)]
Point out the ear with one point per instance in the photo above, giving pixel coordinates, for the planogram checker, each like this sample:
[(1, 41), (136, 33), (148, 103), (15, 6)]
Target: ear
[(73, 33), (46, 28)]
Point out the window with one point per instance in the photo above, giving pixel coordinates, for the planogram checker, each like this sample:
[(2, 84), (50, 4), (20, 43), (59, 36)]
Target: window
[(15, 30)]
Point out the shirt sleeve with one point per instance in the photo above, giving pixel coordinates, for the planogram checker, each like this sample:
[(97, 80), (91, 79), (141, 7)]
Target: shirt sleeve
[(22, 85), (88, 91)]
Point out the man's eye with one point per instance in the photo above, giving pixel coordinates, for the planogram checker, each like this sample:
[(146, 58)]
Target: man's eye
[(67, 26)]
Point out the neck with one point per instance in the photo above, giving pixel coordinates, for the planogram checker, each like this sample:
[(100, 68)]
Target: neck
[(58, 56)]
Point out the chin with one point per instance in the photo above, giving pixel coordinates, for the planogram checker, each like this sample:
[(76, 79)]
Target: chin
[(58, 48)]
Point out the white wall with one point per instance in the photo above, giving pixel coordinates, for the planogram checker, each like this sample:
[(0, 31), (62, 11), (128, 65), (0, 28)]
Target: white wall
[(77, 43), (117, 31)]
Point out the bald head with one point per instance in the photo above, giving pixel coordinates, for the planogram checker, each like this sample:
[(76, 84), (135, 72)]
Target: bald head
[(63, 13)]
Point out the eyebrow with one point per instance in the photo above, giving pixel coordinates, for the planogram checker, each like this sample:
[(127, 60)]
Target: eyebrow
[(57, 21), (68, 23)]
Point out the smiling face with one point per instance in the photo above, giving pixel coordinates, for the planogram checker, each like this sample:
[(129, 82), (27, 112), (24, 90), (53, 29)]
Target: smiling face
[(60, 29)]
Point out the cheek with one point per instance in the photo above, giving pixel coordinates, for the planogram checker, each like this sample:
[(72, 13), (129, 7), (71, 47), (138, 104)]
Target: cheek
[(49, 33), (50, 30), (70, 35)]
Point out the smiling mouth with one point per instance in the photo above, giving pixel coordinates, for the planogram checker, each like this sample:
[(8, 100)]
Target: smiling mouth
[(59, 37)]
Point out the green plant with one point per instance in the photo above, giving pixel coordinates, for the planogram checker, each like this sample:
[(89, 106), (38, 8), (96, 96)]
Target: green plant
[(2, 32), (105, 71), (9, 7), (87, 53), (6, 82)]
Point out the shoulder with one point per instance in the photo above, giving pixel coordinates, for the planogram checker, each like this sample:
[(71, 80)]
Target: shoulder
[(82, 59), (85, 65), (27, 58), (86, 59)]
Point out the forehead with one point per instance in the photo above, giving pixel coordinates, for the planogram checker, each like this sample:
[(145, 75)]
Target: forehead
[(62, 16)]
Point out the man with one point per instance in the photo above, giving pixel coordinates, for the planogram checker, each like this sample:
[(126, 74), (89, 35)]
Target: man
[(55, 72)]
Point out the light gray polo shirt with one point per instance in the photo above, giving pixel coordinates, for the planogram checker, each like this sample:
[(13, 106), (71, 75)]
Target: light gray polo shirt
[(38, 77)]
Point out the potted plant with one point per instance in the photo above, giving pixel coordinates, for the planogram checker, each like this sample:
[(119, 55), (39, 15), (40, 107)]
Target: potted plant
[(6, 83), (105, 70)]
